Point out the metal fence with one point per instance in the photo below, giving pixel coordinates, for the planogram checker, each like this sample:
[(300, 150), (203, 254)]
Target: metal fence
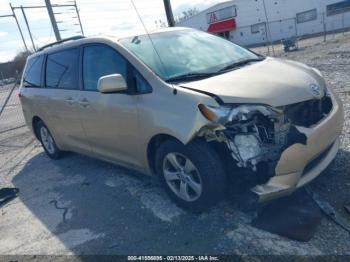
[(11, 116), (321, 27)]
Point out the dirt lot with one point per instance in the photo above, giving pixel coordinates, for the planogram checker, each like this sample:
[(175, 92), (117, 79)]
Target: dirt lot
[(79, 205)]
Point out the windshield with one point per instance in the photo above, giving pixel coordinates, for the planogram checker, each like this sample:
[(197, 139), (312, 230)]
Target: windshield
[(186, 52)]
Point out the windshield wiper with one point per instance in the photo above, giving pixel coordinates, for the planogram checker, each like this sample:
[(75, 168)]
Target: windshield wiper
[(240, 63), (190, 76), (196, 76)]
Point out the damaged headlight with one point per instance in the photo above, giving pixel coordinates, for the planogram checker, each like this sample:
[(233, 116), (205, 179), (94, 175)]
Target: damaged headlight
[(215, 114), (224, 114)]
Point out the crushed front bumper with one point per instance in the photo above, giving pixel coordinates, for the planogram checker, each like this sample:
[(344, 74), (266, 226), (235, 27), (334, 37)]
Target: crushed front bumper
[(299, 164)]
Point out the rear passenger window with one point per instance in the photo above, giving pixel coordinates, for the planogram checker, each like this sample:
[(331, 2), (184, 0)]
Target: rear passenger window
[(32, 74), (99, 61), (62, 69)]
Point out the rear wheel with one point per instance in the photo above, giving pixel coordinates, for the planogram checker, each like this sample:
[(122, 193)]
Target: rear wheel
[(192, 175), (47, 141)]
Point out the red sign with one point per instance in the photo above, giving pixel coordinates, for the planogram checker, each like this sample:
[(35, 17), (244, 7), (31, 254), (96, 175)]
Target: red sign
[(222, 26)]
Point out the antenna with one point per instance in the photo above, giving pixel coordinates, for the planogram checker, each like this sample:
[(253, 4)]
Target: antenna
[(153, 45)]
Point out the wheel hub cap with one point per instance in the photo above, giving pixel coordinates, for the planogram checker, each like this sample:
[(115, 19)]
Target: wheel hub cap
[(47, 140), (182, 177)]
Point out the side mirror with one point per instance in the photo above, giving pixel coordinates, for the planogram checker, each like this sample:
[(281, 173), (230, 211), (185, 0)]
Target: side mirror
[(111, 84)]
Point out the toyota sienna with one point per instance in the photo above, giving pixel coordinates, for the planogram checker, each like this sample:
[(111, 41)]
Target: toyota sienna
[(190, 107)]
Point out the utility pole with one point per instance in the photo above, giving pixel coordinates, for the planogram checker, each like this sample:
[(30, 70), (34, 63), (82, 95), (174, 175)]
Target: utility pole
[(53, 20), (19, 28), (169, 13), (30, 33), (78, 15), (324, 27), (268, 28)]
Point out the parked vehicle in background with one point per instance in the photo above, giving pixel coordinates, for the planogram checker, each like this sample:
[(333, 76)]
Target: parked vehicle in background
[(187, 106)]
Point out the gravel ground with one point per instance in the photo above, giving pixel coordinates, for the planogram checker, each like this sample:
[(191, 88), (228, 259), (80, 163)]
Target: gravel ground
[(79, 205)]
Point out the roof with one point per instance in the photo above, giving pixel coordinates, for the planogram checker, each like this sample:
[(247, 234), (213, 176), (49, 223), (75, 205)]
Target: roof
[(156, 31), (78, 40)]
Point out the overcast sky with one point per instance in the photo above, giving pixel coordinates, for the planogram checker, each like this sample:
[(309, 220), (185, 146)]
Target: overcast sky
[(115, 17)]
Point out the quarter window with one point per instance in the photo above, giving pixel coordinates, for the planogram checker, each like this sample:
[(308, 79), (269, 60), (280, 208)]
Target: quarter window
[(99, 61), (62, 69), (141, 84), (32, 74)]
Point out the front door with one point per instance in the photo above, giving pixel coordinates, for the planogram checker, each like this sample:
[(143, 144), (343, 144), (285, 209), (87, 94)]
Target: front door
[(110, 121)]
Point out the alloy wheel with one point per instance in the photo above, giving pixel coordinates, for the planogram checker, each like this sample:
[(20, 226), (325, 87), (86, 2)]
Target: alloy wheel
[(182, 177), (47, 140)]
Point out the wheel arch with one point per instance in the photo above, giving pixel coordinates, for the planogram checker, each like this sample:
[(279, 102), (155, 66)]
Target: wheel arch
[(152, 146)]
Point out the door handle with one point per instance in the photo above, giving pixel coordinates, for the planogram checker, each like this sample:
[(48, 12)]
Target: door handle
[(69, 100), (84, 102)]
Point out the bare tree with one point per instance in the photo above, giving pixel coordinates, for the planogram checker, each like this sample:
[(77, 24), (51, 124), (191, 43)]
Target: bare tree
[(14, 67), (160, 23), (187, 14)]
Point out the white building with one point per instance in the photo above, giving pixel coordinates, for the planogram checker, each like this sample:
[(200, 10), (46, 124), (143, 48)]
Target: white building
[(244, 21)]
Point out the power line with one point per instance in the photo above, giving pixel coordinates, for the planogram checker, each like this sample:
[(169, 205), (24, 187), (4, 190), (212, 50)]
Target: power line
[(50, 9)]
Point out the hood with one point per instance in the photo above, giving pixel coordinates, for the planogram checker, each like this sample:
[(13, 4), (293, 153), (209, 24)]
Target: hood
[(273, 82)]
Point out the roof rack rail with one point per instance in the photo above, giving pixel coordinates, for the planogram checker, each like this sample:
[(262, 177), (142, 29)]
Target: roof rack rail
[(61, 41)]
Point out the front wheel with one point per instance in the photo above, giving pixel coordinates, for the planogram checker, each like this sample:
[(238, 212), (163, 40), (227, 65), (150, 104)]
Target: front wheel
[(47, 141), (193, 175)]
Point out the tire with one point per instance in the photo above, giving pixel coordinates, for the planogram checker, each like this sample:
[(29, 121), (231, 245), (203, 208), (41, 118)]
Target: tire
[(196, 165), (47, 141)]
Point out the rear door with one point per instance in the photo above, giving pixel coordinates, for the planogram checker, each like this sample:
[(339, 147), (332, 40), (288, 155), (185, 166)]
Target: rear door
[(60, 99), (109, 120)]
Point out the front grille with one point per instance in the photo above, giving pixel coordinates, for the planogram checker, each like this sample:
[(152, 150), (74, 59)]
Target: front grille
[(310, 112)]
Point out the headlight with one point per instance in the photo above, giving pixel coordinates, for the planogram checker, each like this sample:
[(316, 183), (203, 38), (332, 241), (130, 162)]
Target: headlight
[(215, 114), (224, 114)]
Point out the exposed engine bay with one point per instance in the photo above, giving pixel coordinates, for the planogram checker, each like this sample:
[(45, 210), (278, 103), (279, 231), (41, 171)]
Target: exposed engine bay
[(257, 133)]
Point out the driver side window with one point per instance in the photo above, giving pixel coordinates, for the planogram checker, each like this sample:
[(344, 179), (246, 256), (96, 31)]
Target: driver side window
[(98, 61)]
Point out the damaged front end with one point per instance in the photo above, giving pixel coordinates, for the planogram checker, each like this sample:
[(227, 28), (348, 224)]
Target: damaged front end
[(256, 134), (253, 133)]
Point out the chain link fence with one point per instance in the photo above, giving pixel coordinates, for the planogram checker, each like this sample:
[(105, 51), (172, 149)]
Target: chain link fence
[(312, 29), (11, 116)]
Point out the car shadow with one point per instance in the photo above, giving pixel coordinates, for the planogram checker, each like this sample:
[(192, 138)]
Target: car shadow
[(87, 204), (92, 207), (333, 185)]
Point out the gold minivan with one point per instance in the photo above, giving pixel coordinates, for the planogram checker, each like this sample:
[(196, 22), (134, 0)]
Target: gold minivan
[(190, 107)]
